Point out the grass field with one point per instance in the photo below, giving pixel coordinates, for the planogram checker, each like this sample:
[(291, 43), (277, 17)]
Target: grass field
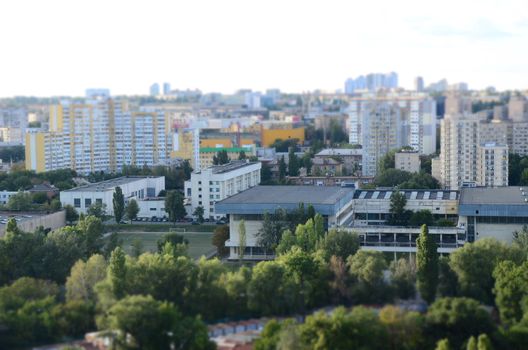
[(199, 242)]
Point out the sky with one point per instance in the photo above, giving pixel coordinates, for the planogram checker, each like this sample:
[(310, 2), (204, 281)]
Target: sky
[(54, 47)]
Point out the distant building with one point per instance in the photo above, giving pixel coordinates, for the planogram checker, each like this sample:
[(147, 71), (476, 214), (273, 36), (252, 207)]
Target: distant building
[(133, 187), (154, 89), (166, 88), (418, 84), (492, 162), (382, 123), (351, 159), (327, 167), (208, 153), (215, 183), (269, 136), (518, 109), (372, 82), (407, 161)]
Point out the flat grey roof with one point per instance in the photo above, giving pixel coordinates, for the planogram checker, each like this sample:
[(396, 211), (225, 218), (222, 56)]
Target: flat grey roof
[(289, 195), (496, 195), (340, 152), (385, 193), (225, 168), (109, 184)]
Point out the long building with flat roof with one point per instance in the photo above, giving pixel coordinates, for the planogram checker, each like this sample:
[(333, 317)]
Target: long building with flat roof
[(333, 203)]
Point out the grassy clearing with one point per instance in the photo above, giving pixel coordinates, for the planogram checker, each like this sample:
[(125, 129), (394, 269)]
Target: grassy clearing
[(199, 242)]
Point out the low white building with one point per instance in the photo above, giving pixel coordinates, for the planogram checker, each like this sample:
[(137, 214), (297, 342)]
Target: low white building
[(5, 195), (150, 207), (136, 187), (407, 161), (211, 185)]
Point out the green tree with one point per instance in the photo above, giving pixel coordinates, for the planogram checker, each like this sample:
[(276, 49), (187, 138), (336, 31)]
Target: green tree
[(484, 343), (118, 202), (472, 343), (426, 265), (71, 214), (457, 319), (403, 277), (265, 174), (339, 243), (443, 344), (421, 217), (132, 209), (174, 206), (474, 264), (83, 277), (397, 212), (511, 291), (21, 201), (97, 209), (241, 239), (112, 242), (137, 247), (404, 328), (199, 213), (172, 238), (293, 163), (520, 239), (221, 158), (282, 169), (149, 324), (117, 272), (242, 155), (366, 268)]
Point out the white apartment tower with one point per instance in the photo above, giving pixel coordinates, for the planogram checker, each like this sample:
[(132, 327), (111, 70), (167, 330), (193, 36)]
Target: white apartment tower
[(492, 165), (213, 184), (381, 123)]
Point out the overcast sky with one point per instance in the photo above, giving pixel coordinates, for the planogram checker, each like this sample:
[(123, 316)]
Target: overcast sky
[(52, 47)]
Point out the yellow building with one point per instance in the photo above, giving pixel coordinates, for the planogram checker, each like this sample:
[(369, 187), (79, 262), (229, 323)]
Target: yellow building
[(186, 146), (224, 142), (207, 153), (269, 136)]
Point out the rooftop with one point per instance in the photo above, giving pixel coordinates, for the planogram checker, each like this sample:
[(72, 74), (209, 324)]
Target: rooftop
[(340, 152), (225, 168), (384, 193), (109, 184), (289, 195), (496, 195)]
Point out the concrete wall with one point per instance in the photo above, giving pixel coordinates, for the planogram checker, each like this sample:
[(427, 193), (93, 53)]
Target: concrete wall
[(52, 221)]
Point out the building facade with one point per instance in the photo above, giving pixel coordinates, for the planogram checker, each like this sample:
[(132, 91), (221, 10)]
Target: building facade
[(213, 184), (382, 123), (492, 163), (407, 161)]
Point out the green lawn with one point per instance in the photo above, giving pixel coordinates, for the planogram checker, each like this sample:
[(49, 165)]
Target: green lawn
[(199, 242)]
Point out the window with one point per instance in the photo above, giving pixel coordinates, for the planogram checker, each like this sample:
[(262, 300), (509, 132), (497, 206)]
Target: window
[(77, 202), (99, 200), (87, 202), (152, 209)]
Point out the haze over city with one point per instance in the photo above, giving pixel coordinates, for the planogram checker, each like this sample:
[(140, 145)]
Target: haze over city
[(60, 48)]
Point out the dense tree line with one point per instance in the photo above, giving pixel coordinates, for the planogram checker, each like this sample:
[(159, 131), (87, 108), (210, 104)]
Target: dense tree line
[(108, 289)]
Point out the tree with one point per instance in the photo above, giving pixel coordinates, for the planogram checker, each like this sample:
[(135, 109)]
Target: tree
[(282, 168), (117, 272), (83, 277), (113, 241), (242, 155), (474, 264), (146, 323), (265, 173), (426, 265), (132, 210), (220, 236), (137, 247), (511, 291), (443, 344), (403, 277), (472, 344), (199, 213), (97, 209), (221, 158), (404, 328), (421, 217), (366, 268), (339, 243), (174, 206), (457, 319), (118, 202), (241, 239), (20, 202), (520, 239), (71, 214), (293, 163), (173, 238), (484, 343), (397, 212)]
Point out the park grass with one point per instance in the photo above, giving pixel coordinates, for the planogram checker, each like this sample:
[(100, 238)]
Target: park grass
[(199, 242)]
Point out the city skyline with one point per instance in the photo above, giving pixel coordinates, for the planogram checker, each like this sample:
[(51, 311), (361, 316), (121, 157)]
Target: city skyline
[(60, 48)]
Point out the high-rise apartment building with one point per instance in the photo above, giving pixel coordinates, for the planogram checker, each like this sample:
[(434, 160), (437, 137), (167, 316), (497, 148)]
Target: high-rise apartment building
[(166, 88), (382, 123), (492, 165), (372, 82), (99, 134), (418, 84), (154, 89), (518, 109)]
